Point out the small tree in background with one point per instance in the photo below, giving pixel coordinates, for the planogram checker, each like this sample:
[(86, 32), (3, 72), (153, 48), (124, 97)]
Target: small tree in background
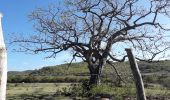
[(97, 31)]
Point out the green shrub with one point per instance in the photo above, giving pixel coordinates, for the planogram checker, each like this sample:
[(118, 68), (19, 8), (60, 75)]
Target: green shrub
[(116, 92)]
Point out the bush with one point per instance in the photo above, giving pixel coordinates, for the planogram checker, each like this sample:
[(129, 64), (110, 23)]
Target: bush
[(150, 78), (117, 92), (166, 82)]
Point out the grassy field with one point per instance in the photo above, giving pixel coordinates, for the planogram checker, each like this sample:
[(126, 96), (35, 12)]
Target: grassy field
[(35, 91), (41, 84), (48, 91)]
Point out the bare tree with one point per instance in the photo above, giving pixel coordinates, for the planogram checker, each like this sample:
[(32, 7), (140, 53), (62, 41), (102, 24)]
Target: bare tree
[(97, 30)]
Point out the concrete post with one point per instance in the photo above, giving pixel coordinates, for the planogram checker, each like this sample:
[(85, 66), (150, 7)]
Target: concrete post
[(3, 64), (137, 76)]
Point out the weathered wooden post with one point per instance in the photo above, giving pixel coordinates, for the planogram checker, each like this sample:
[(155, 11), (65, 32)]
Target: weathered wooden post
[(137, 76), (3, 64)]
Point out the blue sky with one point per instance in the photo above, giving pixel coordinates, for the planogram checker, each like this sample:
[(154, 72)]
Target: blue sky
[(16, 20)]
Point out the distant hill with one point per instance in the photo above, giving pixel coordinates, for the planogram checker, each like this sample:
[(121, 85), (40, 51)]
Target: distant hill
[(162, 67), (20, 72), (77, 72), (64, 69)]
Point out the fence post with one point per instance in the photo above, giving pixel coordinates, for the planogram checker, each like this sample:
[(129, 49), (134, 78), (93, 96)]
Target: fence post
[(3, 65), (136, 74)]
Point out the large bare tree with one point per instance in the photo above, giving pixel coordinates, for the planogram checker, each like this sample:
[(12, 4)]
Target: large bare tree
[(98, 30)]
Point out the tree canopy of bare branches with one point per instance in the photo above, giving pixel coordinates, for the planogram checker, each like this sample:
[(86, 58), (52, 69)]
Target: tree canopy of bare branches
[(97, 30)]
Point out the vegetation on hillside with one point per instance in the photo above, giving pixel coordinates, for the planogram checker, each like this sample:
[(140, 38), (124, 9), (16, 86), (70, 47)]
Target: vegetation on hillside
[(155, 72)]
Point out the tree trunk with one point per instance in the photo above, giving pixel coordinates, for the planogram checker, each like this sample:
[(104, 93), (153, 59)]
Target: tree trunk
[(136, 75), (3, 65), (95, 77), (95, 74)]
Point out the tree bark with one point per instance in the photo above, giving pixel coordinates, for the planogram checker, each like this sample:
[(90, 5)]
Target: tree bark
[(95, 75), (3, 65), (137, 76)]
